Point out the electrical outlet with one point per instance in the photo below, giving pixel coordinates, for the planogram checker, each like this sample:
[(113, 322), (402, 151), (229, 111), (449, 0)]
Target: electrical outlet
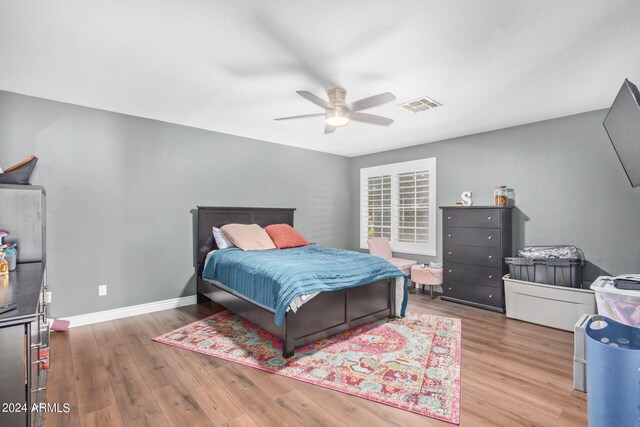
[(47, 297), (102, 290)]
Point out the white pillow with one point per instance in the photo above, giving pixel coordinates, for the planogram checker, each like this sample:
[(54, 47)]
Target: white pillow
[(221, 239)]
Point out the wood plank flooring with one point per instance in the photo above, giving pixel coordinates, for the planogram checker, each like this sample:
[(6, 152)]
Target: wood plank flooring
[(112, 374)]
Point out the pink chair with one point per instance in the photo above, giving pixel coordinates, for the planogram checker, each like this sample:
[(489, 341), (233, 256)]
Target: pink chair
[(379, 246)]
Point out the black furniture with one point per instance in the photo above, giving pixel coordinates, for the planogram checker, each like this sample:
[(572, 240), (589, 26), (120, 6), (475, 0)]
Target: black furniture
[(24, 331), (324, 315), (24, 337), (476, 240)]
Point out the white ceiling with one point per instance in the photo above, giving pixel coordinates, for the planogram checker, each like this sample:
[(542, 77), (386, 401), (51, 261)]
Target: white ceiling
[(225, 65)]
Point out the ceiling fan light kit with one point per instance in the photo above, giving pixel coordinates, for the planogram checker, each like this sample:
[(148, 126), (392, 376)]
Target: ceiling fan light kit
[(337, 117), (339, 113)]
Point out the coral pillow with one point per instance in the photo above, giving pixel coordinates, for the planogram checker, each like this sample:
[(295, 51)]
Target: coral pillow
[(248, 237), (285, 236)]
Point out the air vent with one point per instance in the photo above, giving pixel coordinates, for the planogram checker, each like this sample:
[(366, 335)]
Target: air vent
[(420, 104)]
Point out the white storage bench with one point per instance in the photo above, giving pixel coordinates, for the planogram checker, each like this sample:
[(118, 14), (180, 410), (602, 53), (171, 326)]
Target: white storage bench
[(555, 306)]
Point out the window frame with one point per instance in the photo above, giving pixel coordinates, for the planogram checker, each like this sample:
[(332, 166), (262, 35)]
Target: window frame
[(393, 169)]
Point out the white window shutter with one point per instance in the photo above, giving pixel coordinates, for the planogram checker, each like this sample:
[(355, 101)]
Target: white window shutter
[(398, 202)]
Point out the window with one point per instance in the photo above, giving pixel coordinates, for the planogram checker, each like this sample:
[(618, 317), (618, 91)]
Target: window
[(398, 202)]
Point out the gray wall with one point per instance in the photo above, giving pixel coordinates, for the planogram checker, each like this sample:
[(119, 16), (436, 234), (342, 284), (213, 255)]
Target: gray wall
[(121, 189), (570, 187)]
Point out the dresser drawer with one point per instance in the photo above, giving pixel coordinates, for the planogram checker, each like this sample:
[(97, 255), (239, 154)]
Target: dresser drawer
[(483, 218), (488, 257), (485, 237), (489, 276), (470, 292)]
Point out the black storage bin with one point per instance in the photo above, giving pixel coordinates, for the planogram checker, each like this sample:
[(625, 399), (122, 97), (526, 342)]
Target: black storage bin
[(551, 271)]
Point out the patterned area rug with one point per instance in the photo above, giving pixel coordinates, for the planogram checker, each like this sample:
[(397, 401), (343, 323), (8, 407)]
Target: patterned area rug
[(412, 363)]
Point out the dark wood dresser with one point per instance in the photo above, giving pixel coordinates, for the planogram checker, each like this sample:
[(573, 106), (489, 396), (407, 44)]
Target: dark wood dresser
[(475, 241), (24, 342)]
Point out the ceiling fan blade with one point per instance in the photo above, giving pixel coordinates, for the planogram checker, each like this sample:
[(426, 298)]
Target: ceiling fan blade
[(380, 30), (307, 57), (370, 118), (329, 129), (372, 101), (316, 100), (300, 117)]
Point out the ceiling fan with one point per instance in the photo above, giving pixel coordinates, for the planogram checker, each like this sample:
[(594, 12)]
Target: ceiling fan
[(339, 113)]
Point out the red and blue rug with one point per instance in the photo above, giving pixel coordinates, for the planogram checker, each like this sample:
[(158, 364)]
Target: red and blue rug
[(411, 363)]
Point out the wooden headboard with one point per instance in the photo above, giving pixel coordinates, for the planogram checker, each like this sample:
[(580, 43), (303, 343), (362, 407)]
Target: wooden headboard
[(209, 217)]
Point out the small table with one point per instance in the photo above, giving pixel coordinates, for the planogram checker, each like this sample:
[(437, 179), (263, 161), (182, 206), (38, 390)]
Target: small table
[(426, 276)]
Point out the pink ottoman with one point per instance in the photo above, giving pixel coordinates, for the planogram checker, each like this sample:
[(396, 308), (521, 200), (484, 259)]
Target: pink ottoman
[(426, 276)]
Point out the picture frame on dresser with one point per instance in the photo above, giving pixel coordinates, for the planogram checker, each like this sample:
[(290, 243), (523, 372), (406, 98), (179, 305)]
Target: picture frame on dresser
[(475, 241)]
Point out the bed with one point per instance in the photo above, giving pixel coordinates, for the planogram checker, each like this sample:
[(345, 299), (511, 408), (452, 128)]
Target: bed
[(326, 314)]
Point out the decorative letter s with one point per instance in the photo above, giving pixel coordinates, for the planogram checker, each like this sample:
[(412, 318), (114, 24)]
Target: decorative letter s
[(466, 198)]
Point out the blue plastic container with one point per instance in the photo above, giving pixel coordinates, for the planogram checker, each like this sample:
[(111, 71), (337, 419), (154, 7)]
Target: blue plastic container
[(613, 373)]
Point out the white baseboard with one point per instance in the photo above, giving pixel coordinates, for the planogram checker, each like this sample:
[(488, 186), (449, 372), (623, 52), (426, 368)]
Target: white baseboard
[(132, 310)]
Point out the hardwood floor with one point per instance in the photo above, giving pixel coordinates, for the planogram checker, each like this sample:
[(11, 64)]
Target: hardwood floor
[(112, 374)]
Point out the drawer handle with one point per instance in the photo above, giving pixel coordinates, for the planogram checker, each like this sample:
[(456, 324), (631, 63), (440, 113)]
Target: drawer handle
[(449, 235), (450, 289), (490, 237), (448, 217), (490, 296), (450, 271), (491, 276), (450, 252), (490, 256), (489, 218)]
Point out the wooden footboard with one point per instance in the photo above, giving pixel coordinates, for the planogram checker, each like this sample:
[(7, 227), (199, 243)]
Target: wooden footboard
[(326, 314)]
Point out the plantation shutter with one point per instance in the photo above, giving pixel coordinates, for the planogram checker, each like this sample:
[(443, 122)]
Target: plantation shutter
[(377, 194), (413, 207), (397, 202)]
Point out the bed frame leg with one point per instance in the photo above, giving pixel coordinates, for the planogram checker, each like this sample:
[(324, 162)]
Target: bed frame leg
[(392, 298), (202, 298), (287, 345)]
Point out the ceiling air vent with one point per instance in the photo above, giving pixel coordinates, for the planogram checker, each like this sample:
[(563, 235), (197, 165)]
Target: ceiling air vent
[(420, 104)]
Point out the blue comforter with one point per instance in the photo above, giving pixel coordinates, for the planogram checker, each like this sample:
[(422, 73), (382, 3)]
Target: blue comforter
[(274, 278)]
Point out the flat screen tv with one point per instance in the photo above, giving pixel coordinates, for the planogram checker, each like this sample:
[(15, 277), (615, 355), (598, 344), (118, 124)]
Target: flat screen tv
[(623, 127)]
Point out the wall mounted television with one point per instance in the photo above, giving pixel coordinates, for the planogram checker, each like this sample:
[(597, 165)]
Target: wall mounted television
[(623, 127)]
